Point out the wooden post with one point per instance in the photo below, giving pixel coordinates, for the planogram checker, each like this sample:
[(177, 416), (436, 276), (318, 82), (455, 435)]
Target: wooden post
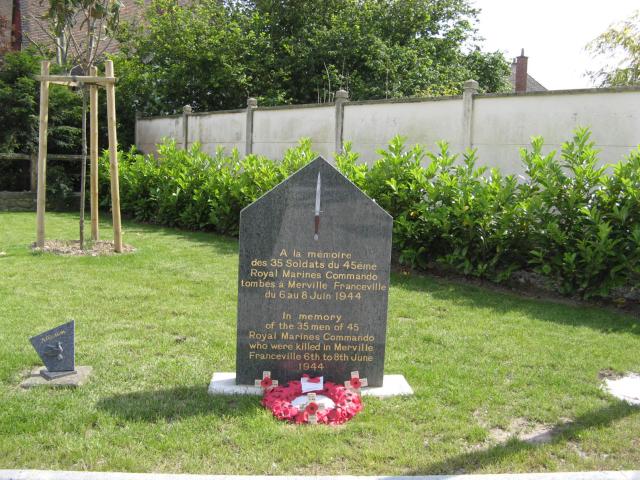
[(33, 171), (93, 143), (42, 155), (113, 157)]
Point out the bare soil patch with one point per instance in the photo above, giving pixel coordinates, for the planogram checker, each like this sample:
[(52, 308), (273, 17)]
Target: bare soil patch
[(72, 248), (529, 432), (523, 429), (610, 374)]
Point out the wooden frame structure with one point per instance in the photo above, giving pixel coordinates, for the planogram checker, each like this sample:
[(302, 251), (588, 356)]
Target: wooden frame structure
[(94, 81)]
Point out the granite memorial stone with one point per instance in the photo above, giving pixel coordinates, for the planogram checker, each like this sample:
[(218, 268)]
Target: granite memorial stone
[(313, 282), (56, 348)]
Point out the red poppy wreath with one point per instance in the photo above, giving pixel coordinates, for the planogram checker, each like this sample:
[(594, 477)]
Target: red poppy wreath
[(331, 404)]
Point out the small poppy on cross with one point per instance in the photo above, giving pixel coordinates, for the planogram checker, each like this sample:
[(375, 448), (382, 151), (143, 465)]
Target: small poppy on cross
[(312, 407), (266, 383), (356, 383)]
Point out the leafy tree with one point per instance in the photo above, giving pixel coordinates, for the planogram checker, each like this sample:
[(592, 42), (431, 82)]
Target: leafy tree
[(19, 97), (375, 48), (622, 41), (213, 54)]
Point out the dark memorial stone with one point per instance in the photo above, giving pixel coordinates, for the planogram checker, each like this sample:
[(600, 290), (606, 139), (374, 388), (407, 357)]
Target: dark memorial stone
[(313, 282), (56, 348)]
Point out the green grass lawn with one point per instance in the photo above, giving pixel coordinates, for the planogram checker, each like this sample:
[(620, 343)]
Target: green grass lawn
[(156, 324)]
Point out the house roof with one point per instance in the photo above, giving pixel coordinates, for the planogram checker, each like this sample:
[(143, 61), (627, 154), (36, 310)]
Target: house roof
[(532, 84)]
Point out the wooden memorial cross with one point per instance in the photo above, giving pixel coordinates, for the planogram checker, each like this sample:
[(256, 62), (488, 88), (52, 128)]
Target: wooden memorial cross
[(266, 383), (312, 406), (356, 383)]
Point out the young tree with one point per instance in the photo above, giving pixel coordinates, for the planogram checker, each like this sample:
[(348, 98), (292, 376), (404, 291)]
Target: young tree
[(620, 44), (82, 31)]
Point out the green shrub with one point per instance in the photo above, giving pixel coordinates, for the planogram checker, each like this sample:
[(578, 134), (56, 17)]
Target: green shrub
[(445, 213), (191, 189), (573, 222), (14, 175), (569, 220), (586, 222), (19, 97)]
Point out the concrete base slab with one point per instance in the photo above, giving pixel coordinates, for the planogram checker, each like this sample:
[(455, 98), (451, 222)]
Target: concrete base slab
[(73, 380), (224, 383), (626, 388), (52, 375)]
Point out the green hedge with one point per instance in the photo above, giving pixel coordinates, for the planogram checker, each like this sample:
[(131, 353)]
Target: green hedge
[(573, 222)]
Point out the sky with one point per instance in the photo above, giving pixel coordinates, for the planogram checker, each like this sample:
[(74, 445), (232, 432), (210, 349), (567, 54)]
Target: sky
[(553, 34)]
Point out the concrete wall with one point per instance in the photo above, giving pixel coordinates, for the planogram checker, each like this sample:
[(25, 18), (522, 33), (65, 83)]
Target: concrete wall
[(226, 130), (504, 124), (370, 126), (497, 125), (151, 131), (275, 130)]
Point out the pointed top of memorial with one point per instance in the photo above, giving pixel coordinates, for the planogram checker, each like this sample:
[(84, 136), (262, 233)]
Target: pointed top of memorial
[(320, 165), (56, 347)]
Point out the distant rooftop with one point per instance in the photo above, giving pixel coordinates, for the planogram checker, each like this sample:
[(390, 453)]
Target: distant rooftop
[(519, 73)]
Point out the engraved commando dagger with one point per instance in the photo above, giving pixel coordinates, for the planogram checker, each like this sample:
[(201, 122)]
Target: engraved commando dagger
[(317, 211)]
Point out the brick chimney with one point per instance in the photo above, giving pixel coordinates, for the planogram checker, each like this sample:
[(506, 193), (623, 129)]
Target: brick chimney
[(16, 26), (521, 73)]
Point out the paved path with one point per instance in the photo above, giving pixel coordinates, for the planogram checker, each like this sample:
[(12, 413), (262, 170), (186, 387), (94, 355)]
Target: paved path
[(60, 475)]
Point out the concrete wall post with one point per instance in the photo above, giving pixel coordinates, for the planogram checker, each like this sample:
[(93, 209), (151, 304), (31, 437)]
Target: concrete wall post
[(136, 134), (252, 104), (342, 96), (186, 110), (470, 89)]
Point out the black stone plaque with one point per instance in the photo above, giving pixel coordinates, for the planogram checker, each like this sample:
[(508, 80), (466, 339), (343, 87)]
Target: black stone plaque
[(56, 348), (313, 280)]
